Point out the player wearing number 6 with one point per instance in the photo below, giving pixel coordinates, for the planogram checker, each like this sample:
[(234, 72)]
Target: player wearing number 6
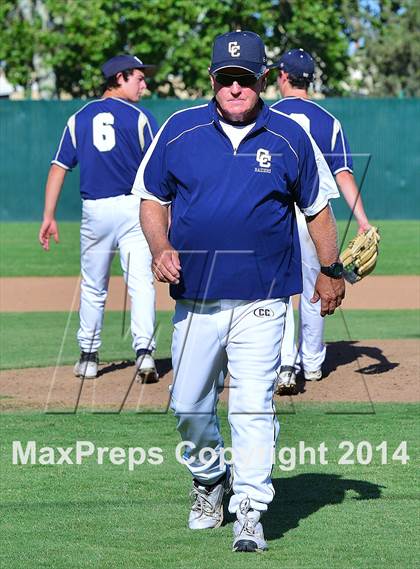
[(108, 139)]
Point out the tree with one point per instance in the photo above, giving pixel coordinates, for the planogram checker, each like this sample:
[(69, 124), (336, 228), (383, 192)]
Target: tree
[(18, 40), (391, 52), (73, 38), (319, 28)]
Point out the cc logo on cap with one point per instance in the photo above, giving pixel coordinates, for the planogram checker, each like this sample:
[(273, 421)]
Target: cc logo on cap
[(234, 49)]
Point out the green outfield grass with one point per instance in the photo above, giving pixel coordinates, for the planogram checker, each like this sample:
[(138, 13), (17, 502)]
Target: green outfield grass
[(104, 516), (34, 339), (21, 255)]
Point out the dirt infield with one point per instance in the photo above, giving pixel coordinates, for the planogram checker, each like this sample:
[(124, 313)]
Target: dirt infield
[(366, 371), (50, 294)]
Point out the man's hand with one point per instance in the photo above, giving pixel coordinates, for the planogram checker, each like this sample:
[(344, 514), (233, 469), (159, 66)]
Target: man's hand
[(330, 291), (166, 267), (323, 231), (49, 227)]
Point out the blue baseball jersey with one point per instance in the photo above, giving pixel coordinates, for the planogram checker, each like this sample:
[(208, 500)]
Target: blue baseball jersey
[(233, 215), (108, 139), (323, 127)]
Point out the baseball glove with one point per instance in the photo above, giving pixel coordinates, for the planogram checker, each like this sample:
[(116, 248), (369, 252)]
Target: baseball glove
[(360, 256)]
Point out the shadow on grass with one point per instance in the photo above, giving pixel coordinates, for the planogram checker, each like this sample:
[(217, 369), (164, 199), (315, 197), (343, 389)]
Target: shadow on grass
[(298, 497), (346, 352), (163, 366)]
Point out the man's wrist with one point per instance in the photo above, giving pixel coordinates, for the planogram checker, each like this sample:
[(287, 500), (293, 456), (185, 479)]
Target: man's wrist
[(334, 271), (363, 224), (161, 248)]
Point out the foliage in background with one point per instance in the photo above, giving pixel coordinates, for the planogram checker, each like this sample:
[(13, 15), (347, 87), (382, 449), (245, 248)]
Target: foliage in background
[(391, 53), (19, 31), (318, 27), (69, 40), (61, 45)]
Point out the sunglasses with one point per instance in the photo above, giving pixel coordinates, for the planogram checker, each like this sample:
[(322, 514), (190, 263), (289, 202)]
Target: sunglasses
[(245, 80)]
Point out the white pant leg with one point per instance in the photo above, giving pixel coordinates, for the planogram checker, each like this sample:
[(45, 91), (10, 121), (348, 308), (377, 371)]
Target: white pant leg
[(252, 347), (288, 346), (97, 248), (136, 261), (312, 349), (199, 361)]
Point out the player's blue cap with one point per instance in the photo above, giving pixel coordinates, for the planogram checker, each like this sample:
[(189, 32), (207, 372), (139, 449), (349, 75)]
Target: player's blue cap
[(123, 62), (297, 62), (239, 49)]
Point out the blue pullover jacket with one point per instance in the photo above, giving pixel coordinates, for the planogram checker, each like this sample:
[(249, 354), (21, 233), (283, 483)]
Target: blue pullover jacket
[(233, 217)]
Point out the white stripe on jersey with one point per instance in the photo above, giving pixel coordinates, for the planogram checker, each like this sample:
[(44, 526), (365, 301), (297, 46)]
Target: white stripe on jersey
[(344, 148), (149, 127), (285, 139), (141, 123), (346, 169), (327, 186), (139, 187), (60, 164), (307, 101), (335, 131), (146, 119), (71, 123), (188, 130), (59, 146)]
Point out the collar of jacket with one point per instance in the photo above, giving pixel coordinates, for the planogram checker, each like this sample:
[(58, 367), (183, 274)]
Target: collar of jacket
[(260, 123)]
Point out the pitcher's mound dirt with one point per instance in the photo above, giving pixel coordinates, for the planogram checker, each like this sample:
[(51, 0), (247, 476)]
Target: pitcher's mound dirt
[(364, 371)]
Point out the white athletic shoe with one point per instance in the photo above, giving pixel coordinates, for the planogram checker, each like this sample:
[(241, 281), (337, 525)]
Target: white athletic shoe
[(248, 535), (207, 509), (313, 375), (286, 380), (86, 366), (146, 369)]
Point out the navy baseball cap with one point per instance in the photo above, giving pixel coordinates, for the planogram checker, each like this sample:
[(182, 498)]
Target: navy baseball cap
[(239, 49), (297, 62), (123, 62)]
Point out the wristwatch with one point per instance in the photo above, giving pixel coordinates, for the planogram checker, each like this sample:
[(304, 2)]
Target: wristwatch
[(334, 271)]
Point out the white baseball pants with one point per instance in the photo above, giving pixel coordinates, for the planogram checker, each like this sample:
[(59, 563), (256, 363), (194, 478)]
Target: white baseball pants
[(312, 349), (244, 338), (109, 224)]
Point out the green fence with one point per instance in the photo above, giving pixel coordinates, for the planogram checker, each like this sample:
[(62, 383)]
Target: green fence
[(385, 129)]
